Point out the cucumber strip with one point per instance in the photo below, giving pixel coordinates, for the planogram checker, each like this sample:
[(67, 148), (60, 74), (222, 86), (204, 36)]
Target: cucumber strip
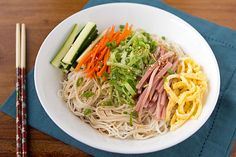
[(90, 26), (92, 45), (56, 61), (85, 44)]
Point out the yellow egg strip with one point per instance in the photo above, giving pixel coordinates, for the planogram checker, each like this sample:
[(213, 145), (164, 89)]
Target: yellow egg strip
[(185, 94)]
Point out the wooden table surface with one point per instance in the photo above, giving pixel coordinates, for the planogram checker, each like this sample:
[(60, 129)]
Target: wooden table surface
[(41, 17)]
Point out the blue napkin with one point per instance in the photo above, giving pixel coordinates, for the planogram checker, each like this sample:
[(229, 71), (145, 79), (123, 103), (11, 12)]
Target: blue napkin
[(217, 135)]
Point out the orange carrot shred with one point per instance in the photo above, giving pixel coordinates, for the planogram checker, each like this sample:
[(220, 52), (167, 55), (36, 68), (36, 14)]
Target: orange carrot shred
[(95, 61)]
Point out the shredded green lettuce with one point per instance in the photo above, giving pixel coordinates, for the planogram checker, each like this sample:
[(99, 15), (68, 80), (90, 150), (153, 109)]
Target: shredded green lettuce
[(170, 71), (88, 94), (87, 111), (128, 62), (79, 81)]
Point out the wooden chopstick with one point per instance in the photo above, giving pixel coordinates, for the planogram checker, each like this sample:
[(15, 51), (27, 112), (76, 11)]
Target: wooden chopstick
[(18, 91), (21, 110), (23, 92)]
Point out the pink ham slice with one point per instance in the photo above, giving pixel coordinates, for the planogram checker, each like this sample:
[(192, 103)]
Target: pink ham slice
[(157, 52), (160, 90), (167, 55), (175, 65), (146, 76), (163, 113), (152, 109), (163, 71), (144, 101), (162, 51), (138, 105), (158, 108), (160, 85), (163, 98), (151, 103), (139, 91), (154, 99), (153, 89)]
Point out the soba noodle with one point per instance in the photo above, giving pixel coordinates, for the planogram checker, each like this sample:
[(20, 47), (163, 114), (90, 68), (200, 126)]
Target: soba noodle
[(110, 120)]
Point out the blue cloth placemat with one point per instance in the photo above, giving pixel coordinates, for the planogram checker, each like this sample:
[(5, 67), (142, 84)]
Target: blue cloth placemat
[(217, 135)]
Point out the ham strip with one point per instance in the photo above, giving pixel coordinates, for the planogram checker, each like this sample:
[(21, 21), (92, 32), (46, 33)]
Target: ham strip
[(157, 52), (153, 89), (167, 55), (158, 108), (139, 91), (160, 90), (163, 113), (137, 107), (154, 99), (152, 109), (171, 59), (162, 51), (175, 65), (163, 98), (151, 104), (144, 101), (159, 76), (147, 103), (161, 83), (146, 76), (163, 71)]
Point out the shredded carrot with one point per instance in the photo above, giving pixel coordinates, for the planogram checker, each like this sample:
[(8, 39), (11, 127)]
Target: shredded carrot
[(95, 61), (111, 32), (104, 51)]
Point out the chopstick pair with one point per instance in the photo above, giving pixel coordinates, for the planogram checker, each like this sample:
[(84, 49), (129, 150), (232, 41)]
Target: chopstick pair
[(21, 112)]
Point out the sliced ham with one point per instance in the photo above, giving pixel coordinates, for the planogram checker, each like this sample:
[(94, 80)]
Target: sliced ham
[(167, 55), (175, 65), (163, 71), (139, 91), (161, 83), (147, 103), (157, 52), (151, 103), (152, 109), (144, 101), (160, 90), (163, 98), (146, 76), (154, 98), (158, 108), (162, 51), (163, 113), (153, 89), (137, 107), (171, 59)]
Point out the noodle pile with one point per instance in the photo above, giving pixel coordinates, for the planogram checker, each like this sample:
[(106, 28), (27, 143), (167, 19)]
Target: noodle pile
[(108, 119)]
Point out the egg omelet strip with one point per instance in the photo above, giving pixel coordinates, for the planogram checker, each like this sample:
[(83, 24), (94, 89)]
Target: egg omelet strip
[(186, 90)]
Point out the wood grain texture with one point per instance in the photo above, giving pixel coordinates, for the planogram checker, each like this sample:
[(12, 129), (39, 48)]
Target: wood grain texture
[(41, 17)]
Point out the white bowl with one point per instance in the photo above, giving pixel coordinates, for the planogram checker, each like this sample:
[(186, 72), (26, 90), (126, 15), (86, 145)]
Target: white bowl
[(152, 20)]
